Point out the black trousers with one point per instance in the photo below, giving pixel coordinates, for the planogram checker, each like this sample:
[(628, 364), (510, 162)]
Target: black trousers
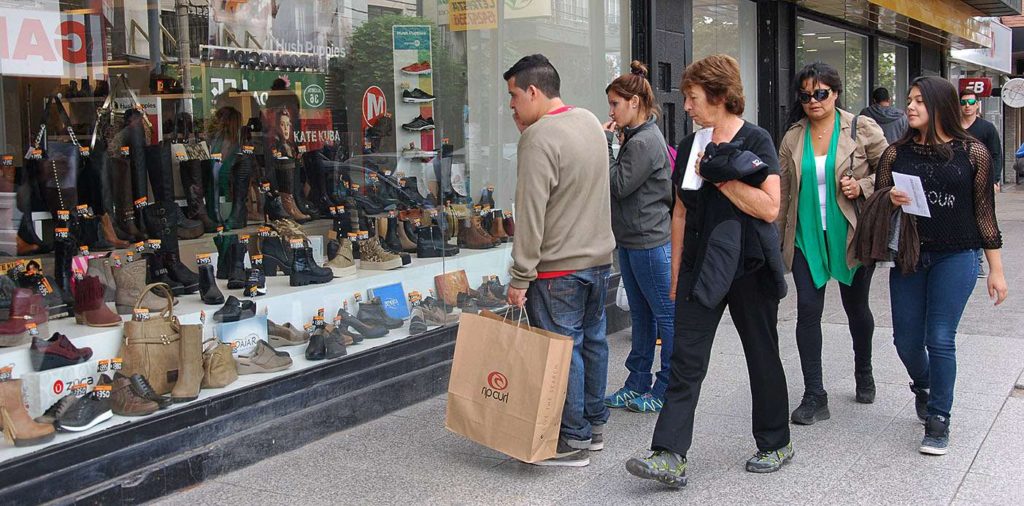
[(810, 304), (754, 311)]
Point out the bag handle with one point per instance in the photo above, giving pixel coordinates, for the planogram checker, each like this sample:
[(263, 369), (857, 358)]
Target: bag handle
[(50, 101), (522, 313), (153, 287)]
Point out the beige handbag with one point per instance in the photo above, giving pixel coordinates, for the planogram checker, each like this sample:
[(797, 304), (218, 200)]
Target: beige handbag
[(152, 346), (219, 369)]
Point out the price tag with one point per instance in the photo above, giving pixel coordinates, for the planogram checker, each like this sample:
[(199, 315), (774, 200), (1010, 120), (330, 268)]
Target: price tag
[(61, 233), (104, 366), (81, 210), (220, 229), (257, 260), (125, 151), (33, 330), (247, 149), (263, 232), (63, 214), (318, 321), (154, 244), (35, 154), (141, 202), (79, 389), (320, 312), (102, 391), (129, 256), (415, 297), (363, 235), (352, 236), (7, 372), (392, 214), (358, 297), (307, 327), (83, 250), (295, 243), (44, 287), (204, 259), (333, 210), (117, 260), (140, 314), (243, 239), (79, 275), (216, 157), (251, 289), (355, 186), (7, 161), (116, 364), (265, 186), (202, 317), (303, 148)]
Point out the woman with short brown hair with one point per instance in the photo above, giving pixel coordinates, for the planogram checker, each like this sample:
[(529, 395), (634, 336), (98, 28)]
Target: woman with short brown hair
[(725, 253)]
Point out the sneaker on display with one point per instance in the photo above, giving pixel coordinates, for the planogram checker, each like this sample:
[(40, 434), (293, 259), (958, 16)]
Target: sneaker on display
[(89, 411), (419, 124), (417, 96), (418, 68)]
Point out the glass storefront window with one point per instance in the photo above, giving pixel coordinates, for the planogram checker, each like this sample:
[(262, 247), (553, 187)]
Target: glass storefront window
[(842, 49), (891, 71), (729, 27), (365, 147)]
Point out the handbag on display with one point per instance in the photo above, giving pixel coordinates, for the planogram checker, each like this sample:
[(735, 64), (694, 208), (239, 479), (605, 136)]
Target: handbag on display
[(152, 343), (52, 167), (109, 121), (219, 368)]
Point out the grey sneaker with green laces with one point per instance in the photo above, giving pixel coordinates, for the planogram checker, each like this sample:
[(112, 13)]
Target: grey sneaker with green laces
[(567, 456), (770, 461), (666, 467)]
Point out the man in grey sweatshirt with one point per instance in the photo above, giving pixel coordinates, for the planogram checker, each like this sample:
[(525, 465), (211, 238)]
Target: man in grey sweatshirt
[(562, 253), (892, 120)]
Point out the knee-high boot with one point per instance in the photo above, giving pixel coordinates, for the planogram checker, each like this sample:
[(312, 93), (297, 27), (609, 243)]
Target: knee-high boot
[(240, 175)]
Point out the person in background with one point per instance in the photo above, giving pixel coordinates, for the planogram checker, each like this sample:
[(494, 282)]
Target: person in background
[(826, 174), (892, 120), (562, 254), (641, 186), (927, 304), (707, 279), (983, 130)]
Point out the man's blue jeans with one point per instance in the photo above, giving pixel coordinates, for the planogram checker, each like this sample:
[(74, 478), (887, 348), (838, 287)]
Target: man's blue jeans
[(926, 310), (573, 305), (647, 278)]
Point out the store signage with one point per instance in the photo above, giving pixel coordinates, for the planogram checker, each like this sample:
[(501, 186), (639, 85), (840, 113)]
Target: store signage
[(44, 43), (517, 9), (981, 86), (264, 59), (466, 15), (314, 96), (375, 105), (998, 54)]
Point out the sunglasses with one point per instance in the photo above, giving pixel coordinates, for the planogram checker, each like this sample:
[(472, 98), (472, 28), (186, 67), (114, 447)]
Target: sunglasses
[(819, 95), (969, 101)]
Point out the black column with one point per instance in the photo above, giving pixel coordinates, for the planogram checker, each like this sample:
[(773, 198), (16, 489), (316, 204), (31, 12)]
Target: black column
[(776, 59)]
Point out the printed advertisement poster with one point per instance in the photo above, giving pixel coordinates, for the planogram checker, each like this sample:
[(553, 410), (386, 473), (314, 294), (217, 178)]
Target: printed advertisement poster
[(414, 89), (310, 26), (466, 15), (518, 9), (47, 43)]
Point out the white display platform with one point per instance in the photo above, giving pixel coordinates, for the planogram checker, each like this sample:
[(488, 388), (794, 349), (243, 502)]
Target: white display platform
[(283, 304)]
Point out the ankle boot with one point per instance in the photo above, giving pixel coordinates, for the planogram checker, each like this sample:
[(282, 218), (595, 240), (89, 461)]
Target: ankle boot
[(305, 270), (223, 243), (28, 243), (130, 279), (158, 273), (107, 226), (288, 203), (179, 272), (100, 267), (208, 289), (190, 364), (471, 236), (497, 229), (275, 255), (510, 225), (240, 175), (18, 427), (430, 243), (865, 384), (373, 256), (391, 237), (372, 313), (255, 283), (89, 306), (254, 206), (26, 307), (340, 260), (408, 245), (236, 270)]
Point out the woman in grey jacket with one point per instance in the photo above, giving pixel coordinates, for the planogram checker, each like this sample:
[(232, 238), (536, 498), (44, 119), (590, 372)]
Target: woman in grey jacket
[(641, 192)]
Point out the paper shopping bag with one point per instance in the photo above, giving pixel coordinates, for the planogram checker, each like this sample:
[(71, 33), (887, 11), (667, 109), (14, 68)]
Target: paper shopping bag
[(507, 386)]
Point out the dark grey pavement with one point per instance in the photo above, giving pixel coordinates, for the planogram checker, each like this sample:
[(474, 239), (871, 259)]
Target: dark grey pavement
[(866, 454)]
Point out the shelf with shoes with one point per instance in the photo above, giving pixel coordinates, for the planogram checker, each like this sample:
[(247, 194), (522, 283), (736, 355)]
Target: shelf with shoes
[(284, 304)]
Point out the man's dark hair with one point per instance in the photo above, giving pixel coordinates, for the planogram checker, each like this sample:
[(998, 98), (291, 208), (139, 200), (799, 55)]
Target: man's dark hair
[(537, 71), (967, 91), (880, 95)]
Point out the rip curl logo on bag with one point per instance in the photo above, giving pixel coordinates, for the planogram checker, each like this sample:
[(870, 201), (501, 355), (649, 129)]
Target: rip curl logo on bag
[(496, 384)]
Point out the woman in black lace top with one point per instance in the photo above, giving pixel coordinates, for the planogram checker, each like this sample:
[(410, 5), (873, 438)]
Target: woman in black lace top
[(927, 304)]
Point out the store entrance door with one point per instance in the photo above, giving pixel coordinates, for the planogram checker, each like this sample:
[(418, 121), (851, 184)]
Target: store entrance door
[(660, 39)]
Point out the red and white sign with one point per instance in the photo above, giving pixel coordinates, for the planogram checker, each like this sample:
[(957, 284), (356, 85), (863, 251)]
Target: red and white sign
[(375, 105), (981, 86), (48, 43)]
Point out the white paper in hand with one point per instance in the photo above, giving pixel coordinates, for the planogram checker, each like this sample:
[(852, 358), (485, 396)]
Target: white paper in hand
[(701, 138), (913, 187)]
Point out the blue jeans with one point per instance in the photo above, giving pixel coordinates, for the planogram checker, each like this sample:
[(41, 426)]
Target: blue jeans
[(926, 310), (573, 306), (647, 277)]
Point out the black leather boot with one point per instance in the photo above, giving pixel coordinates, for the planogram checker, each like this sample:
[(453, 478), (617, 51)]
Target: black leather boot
[(275, 256), (212, 192), (157, 273), (236, 269), (430, 243), (240, 175), (305, 270), (223, 243), (273, 208), (208, 288), (372, 313), (192, 183), (178, 271)]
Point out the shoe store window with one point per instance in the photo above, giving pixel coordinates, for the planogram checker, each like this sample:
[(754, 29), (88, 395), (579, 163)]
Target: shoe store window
[(844, 50), (203, 200), (729, 27)]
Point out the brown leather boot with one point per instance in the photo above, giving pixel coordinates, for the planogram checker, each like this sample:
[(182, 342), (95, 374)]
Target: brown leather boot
[(19, 428), (107, 226), (130, 279), (288, 202), (190, 364), (26, 248), (254, 203), (408, 245), (472, 236), (498, 227), (89, 306)]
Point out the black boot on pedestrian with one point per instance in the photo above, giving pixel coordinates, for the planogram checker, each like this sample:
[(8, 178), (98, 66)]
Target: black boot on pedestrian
[(920, 402), (208, 288), (812, 408), (865, 386)]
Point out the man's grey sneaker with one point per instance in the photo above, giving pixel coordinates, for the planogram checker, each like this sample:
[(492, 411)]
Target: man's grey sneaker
[(620, 398), (770, 461), (662, 466), (596, 438), (920, 402), (936, 436), (812, 409), (566, 456), (646, 403)]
